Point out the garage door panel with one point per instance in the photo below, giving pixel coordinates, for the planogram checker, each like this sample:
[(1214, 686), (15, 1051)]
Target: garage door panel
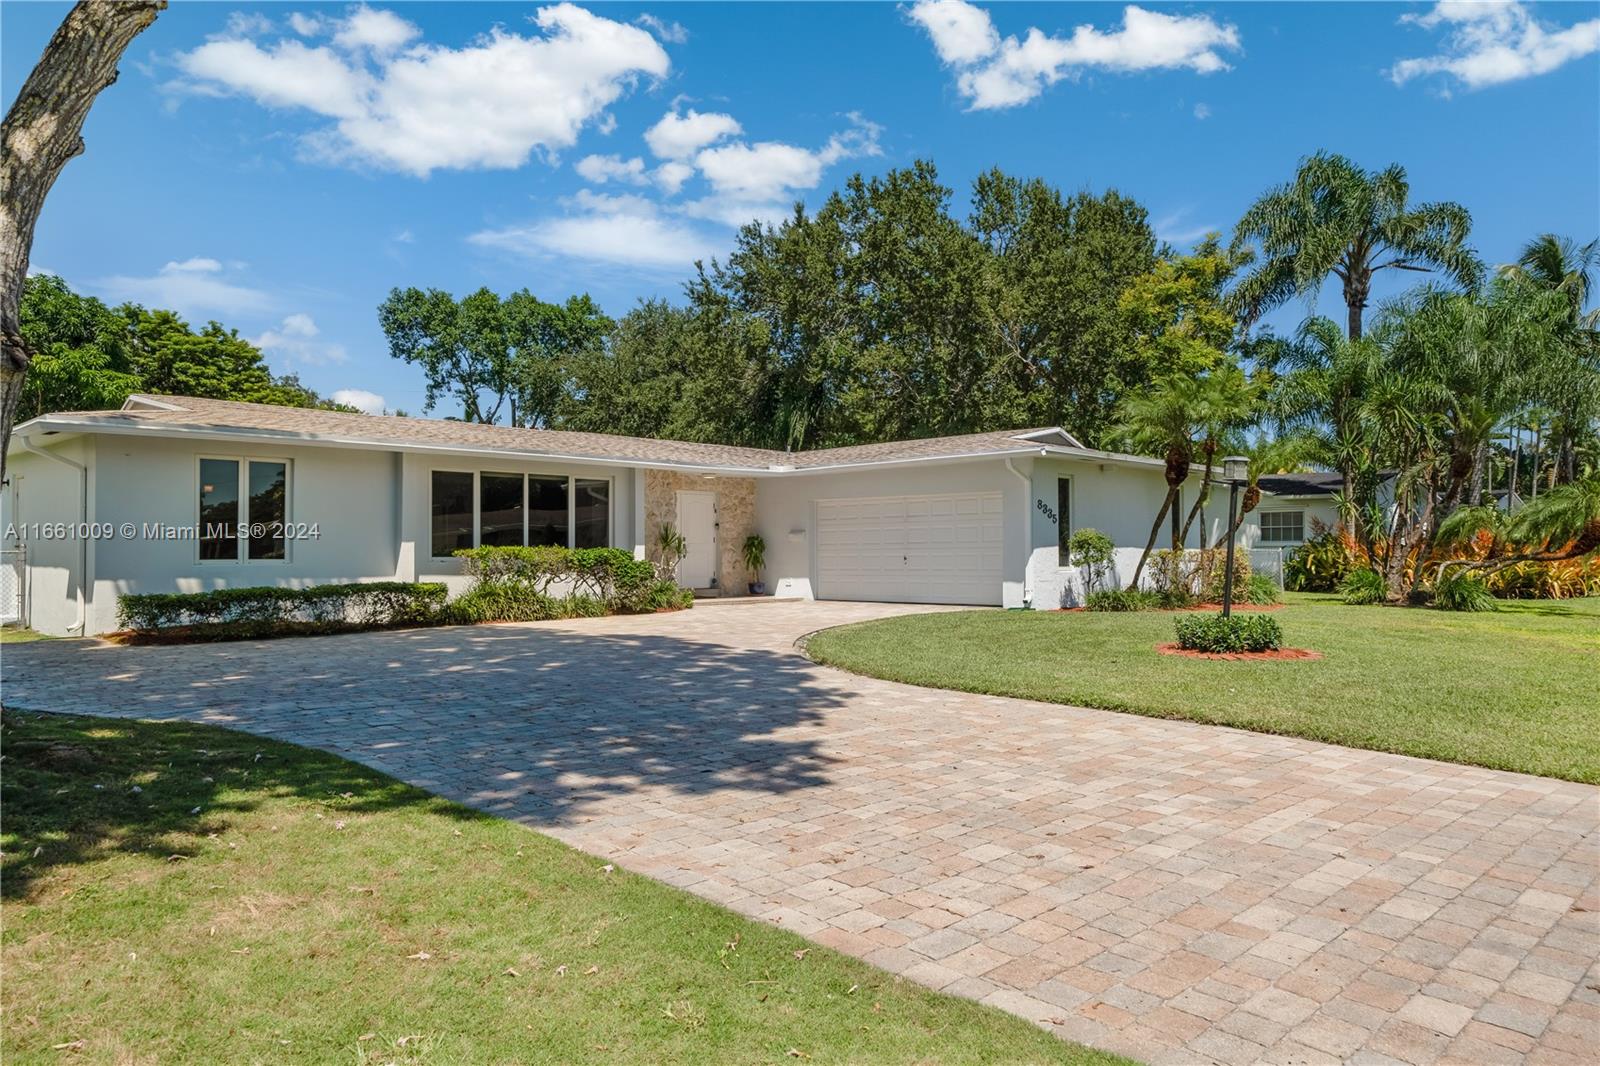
[(911, 549)]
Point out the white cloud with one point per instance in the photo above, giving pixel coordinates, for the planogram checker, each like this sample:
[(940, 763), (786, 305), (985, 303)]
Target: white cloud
[(603, 168), (961, 33), (306, 25), (681, 136), (1493, 43), (769, 170), (295, 340), (420, 107), (1202, 111), (361, 400), (996, 72), (194, 288), (736, 212), (671, 32), (381, 31), (624, 230), (671, 175)]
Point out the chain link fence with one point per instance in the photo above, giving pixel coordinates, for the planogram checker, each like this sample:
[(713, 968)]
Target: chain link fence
[(13, 585)]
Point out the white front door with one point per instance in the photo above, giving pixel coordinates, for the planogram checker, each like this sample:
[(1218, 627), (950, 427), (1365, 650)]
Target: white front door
[(911, 549), (697, 521)]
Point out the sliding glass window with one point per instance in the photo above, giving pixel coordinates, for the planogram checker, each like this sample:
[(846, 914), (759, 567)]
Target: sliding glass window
[(547, 511), (500, 509), (452, 512), (592, 513)]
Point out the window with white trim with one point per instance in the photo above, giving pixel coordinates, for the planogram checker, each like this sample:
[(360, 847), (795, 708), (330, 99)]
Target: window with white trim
[(1063, 521), (1283, 527), (487, 508), (243, 509)]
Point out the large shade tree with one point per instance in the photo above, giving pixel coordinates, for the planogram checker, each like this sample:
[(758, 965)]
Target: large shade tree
[(1336, 218), (39, 135)]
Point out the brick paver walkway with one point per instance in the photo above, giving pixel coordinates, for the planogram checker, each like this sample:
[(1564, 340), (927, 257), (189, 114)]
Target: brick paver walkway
[(1180, 892)]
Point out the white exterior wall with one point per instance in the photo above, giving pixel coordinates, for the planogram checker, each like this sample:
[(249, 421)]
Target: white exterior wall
[(350, 493), (45, 491), (786, 514), (1121, 501)]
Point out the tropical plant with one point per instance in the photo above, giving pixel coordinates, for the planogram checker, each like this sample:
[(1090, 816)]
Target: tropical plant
[(1120, 600), (1164, 420), (1321, 563), (754, 551), (1261, 590), (670, 550), (1336, 218), (1364, 586), (1463, 592)]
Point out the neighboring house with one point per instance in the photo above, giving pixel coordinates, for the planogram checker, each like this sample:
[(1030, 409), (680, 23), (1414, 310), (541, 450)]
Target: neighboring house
[(1293, 506), (158, 486)]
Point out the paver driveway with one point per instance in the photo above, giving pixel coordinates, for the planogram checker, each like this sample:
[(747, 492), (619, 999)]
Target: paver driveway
[(1180, 892)]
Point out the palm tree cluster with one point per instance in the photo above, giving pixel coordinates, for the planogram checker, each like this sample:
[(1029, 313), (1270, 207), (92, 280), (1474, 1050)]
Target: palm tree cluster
[(1441, 413)]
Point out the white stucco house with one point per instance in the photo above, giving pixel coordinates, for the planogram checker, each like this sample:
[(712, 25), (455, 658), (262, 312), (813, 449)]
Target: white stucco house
[(157, 488)]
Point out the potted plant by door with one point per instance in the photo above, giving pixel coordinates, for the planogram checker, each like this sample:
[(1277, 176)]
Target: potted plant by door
[(755, 558)]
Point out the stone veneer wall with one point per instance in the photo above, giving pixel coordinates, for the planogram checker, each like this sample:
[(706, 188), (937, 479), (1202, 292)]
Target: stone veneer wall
[(736, 517)]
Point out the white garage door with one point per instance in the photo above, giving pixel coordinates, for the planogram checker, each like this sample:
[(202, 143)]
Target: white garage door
[(910, 549)]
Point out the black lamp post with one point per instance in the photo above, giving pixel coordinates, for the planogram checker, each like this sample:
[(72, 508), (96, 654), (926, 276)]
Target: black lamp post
[(1236, 471)]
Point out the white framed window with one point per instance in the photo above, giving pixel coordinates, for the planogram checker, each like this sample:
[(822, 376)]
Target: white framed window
[(1283, 527), (243, 508), (468, 509)]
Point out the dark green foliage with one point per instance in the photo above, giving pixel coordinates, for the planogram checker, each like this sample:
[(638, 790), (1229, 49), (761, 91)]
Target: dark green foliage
[(1261, 590), (1320, 564), (515, 584), (1121, 600), (1363, 586), (244, 613), (1463, 592), (90, 357), (1091, 551), (1234, 633)]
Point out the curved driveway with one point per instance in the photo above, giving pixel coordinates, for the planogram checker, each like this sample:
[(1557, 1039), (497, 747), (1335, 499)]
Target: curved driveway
[(1180, 892)]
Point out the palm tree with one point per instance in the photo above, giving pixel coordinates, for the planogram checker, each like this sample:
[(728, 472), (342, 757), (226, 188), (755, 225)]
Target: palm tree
[(1559, 265), (1562, 524), (1227, 403), (1268, 455), (1335, 218), (1323, 374), (1165, 419)]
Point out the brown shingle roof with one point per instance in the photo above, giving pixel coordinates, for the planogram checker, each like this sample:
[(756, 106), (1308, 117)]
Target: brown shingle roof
[(309, 424)]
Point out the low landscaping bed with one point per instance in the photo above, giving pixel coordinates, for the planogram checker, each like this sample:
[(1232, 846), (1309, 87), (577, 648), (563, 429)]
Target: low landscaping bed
[(1514, 689), (510, 584), (183, 893)]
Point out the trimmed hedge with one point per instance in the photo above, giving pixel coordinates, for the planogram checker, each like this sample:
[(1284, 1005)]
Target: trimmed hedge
[(243, 613), (1238, 632), (514, 584)]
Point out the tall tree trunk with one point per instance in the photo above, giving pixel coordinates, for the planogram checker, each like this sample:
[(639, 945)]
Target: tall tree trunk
[(41, 132), (1199, 507), (1155, 531)]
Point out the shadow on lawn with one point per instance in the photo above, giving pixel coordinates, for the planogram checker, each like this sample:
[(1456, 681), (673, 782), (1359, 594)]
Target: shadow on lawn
[(532, 723), (77, 789)]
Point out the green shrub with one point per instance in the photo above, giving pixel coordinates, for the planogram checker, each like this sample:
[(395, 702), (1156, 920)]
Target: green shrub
[(1322, 563), (516, 584), (1091, 551), (1463, 592), (1363, 587), (243, 613), (1261, 590), (1120, 600), (1234, 633)]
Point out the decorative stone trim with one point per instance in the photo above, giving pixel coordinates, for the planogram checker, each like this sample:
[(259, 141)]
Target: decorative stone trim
[(736, 518)]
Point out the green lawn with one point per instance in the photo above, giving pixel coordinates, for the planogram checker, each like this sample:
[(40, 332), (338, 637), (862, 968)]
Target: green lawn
[(1517, 689), (19, 635), (258, 902)]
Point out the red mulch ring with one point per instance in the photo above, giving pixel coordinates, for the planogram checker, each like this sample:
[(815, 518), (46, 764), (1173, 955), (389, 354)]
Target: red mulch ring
[(1245, 656), (1196, 607)]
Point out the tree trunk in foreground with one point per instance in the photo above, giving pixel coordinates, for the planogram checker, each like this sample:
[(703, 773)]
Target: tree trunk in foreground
[(41, 132), (1155, 531)]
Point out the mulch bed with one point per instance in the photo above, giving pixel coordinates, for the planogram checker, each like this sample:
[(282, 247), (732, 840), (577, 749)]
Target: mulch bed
[(1244, 656)]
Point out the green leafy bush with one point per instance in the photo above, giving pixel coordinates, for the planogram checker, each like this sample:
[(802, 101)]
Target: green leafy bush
[(1234, 633), (516, 584), (1463, 592), (244, 613), (1091, 551), (1120, 600), (1363, 586), (1261, 590), (1322, 563)]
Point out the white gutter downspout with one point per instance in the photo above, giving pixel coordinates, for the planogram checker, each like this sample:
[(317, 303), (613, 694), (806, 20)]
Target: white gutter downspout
[(83, 520), (1027, 538)]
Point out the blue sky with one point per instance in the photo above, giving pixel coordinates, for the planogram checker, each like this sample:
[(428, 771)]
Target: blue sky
[(280, 167)]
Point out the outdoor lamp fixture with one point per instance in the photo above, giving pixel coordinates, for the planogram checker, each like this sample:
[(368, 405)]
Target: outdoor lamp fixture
[(1236, 472)]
